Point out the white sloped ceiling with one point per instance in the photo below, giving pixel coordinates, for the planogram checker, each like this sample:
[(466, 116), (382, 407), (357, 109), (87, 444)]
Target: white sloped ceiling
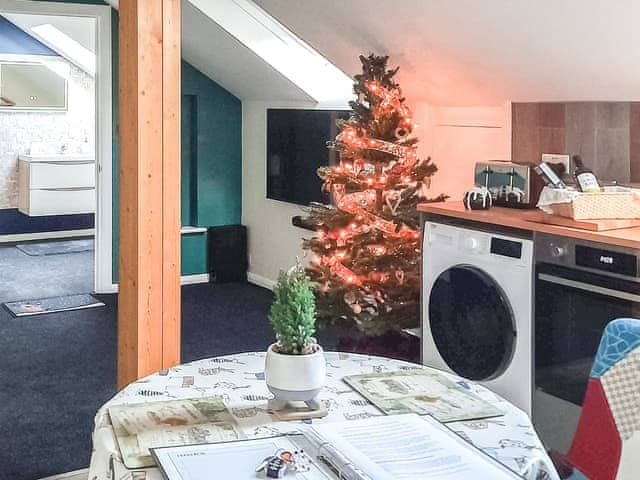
[(482, 52), (221, 57)]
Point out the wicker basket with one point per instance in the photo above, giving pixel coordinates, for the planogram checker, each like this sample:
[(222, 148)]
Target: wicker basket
[(605, 205)]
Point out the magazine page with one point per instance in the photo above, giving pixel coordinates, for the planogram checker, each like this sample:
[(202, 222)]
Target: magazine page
[(422, 391), (140, 427)]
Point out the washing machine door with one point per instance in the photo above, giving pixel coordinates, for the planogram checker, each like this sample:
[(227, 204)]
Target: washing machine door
[(471, 322)]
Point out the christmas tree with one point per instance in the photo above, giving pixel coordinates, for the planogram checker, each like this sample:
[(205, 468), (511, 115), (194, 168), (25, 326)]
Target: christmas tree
[(366, 250)]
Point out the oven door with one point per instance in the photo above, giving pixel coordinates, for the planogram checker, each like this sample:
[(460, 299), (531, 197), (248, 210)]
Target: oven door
[(572, 307), (571, 310)]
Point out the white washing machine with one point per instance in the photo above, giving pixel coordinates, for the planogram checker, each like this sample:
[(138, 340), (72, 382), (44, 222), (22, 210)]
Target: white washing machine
[(477, 308)]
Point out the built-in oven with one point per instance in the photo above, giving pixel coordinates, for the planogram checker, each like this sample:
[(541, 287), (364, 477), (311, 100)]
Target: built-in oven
[(580, 286)]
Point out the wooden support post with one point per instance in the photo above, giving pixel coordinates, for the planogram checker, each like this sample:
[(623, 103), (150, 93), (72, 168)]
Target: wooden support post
[(149, 263)]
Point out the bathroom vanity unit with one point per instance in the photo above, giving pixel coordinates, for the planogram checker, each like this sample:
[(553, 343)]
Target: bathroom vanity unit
[(57, 184)]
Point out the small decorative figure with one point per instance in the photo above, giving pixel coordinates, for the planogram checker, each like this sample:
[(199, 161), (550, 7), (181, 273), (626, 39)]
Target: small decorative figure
[(478, 198), (282, 462)]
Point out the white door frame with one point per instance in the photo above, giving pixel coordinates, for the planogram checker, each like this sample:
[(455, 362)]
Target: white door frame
[(103, 95)]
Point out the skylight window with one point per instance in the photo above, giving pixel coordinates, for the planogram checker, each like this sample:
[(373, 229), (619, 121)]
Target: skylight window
[(67, 47), (279, 47)]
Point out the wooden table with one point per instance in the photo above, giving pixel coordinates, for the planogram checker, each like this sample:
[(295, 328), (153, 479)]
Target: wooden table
[(511, 438)]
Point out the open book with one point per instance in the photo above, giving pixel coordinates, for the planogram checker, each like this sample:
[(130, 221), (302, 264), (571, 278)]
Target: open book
[(399, 447)]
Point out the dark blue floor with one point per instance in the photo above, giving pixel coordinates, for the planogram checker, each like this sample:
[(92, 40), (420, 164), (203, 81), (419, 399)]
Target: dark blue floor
[(26, 277), (57, 370)]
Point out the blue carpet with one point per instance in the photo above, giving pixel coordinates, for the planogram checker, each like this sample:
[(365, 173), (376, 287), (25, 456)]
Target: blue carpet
[(25, 277), (57, 370)]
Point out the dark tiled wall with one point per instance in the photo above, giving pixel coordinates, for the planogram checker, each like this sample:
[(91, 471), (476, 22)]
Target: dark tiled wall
[(605, 134)]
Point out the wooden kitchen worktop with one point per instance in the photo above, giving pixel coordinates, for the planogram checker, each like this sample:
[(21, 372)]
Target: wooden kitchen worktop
[(514, 218)]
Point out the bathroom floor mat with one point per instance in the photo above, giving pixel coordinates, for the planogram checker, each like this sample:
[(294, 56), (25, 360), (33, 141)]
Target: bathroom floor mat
[(25, 308)]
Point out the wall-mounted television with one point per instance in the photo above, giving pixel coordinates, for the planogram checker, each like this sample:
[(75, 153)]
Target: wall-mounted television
[(296, 147)]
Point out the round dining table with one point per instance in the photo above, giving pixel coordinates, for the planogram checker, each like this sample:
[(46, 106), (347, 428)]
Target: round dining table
[(239, 380)]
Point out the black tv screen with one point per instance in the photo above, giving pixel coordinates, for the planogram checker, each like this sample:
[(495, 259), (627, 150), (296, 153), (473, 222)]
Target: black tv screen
[(296, 147)]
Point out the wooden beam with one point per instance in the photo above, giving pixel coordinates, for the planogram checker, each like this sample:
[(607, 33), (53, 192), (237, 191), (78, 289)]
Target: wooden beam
[(171, 81), (149, 263)]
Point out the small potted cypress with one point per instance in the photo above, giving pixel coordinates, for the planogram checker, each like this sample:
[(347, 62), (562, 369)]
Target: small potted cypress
[(295, 367)]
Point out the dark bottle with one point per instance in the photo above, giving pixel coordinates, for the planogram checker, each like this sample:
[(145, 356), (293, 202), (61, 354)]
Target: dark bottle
[(585, 178)]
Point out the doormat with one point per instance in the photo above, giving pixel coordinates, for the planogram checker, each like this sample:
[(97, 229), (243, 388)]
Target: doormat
[(25, 308), (56, 248)]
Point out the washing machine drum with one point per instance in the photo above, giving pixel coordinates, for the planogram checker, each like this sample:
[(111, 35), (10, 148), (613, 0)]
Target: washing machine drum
[(471, 322)]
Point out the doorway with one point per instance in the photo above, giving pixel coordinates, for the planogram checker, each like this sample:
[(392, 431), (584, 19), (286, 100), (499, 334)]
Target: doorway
[(56, 152)]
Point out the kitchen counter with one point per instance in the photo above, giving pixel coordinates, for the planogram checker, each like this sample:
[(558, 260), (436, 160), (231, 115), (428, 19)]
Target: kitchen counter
[(514, 218)]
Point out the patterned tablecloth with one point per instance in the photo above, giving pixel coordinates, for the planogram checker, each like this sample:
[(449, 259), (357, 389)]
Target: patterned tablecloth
[(511, 438)]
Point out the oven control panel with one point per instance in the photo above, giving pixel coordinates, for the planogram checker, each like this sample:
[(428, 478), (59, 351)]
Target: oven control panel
[(552, 249), (593, 256), (606, 260)]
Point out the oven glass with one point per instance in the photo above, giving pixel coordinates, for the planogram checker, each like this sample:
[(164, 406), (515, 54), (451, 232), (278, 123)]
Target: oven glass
[(471, 322), (569, 323), (571, 310)]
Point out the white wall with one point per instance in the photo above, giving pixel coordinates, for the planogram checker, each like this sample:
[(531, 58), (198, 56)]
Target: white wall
[(19, 129), (273, 242), (458, 137)]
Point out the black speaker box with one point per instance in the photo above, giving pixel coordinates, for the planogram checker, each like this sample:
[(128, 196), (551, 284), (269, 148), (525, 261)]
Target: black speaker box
[(228, 253)]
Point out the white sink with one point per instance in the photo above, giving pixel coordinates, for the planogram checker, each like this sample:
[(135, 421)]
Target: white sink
[(59, 157)]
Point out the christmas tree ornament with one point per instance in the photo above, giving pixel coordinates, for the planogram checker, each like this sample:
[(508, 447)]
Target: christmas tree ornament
[(392, 198), (369, 254), (401, 133), (378, 277), (349, 297), (377, 249)]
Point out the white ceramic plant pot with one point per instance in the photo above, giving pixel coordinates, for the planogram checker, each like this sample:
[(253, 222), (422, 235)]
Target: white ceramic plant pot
[(294, 377)]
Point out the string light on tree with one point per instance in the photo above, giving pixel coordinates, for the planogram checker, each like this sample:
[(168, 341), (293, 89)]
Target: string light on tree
[(367, 245)]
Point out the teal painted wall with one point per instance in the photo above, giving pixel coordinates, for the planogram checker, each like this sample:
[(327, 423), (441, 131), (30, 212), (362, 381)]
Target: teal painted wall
[(194, 253), (212, 175), (217, 170), (189, 159)]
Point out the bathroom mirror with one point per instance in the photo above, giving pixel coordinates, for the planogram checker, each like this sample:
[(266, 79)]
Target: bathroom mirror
[(31, 86)]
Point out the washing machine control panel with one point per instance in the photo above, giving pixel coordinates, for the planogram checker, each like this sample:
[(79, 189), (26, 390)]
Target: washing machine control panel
[(511, 250)]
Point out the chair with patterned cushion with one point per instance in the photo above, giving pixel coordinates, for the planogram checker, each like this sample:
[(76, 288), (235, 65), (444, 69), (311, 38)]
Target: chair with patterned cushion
[(606, 445)]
